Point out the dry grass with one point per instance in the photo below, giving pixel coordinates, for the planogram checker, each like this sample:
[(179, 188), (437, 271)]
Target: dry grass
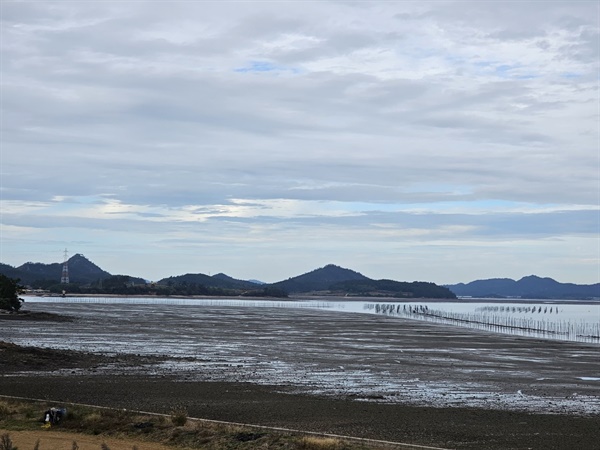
[(321, 443), (6, 442), (179, 415), (91, 419)]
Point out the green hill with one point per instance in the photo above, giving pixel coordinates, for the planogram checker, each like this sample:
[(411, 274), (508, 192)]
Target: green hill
[(336, 280), (81, 271), (319, 279), (219, 280)]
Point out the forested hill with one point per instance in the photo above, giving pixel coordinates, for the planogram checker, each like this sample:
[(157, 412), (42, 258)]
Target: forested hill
[(391, 288), (335, 280), (219, 280), (527, 287), (81, 270), (319, 279)]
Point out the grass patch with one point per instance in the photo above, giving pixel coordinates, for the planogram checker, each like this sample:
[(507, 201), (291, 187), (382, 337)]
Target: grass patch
[(14, 415), (179, 415), (179, 431)]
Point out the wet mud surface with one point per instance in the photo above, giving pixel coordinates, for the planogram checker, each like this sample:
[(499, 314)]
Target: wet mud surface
[(347, 373)]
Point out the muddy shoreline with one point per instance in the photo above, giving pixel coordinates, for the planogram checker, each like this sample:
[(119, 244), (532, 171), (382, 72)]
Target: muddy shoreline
[(336, 297)]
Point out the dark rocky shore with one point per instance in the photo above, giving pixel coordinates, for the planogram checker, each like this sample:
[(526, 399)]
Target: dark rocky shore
[(67, 376)]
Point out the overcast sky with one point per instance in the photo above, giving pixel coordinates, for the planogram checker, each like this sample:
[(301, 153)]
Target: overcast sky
[(438, 141)]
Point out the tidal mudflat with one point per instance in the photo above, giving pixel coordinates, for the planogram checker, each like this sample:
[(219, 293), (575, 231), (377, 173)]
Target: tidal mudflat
[(298, 353), (344, 354)]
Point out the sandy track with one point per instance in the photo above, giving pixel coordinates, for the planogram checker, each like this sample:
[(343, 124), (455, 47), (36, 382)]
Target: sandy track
[(59, 440)]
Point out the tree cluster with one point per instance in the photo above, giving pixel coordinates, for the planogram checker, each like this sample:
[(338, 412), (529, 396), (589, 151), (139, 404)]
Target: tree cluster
[(9, 294), (391, 288), (123, 285)]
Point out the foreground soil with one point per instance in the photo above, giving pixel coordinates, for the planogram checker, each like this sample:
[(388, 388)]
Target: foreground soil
[(458, 428)]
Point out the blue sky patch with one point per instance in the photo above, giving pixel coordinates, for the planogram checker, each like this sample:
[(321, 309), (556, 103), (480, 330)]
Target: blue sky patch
[(264, 66), (570, 75)]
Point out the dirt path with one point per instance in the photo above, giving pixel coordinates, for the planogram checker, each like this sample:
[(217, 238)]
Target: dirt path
[(55, 440)]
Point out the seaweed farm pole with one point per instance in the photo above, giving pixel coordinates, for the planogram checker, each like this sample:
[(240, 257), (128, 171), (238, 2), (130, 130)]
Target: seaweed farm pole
[(533, 326)]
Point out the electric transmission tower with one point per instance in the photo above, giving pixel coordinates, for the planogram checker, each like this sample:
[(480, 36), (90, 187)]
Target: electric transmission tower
[(64, 279)]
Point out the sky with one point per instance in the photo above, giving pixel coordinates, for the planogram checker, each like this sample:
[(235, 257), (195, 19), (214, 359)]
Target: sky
[(442, 141)]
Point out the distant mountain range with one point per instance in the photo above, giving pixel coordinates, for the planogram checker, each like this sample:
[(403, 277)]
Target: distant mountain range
[(328, 280), (527, 287)]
